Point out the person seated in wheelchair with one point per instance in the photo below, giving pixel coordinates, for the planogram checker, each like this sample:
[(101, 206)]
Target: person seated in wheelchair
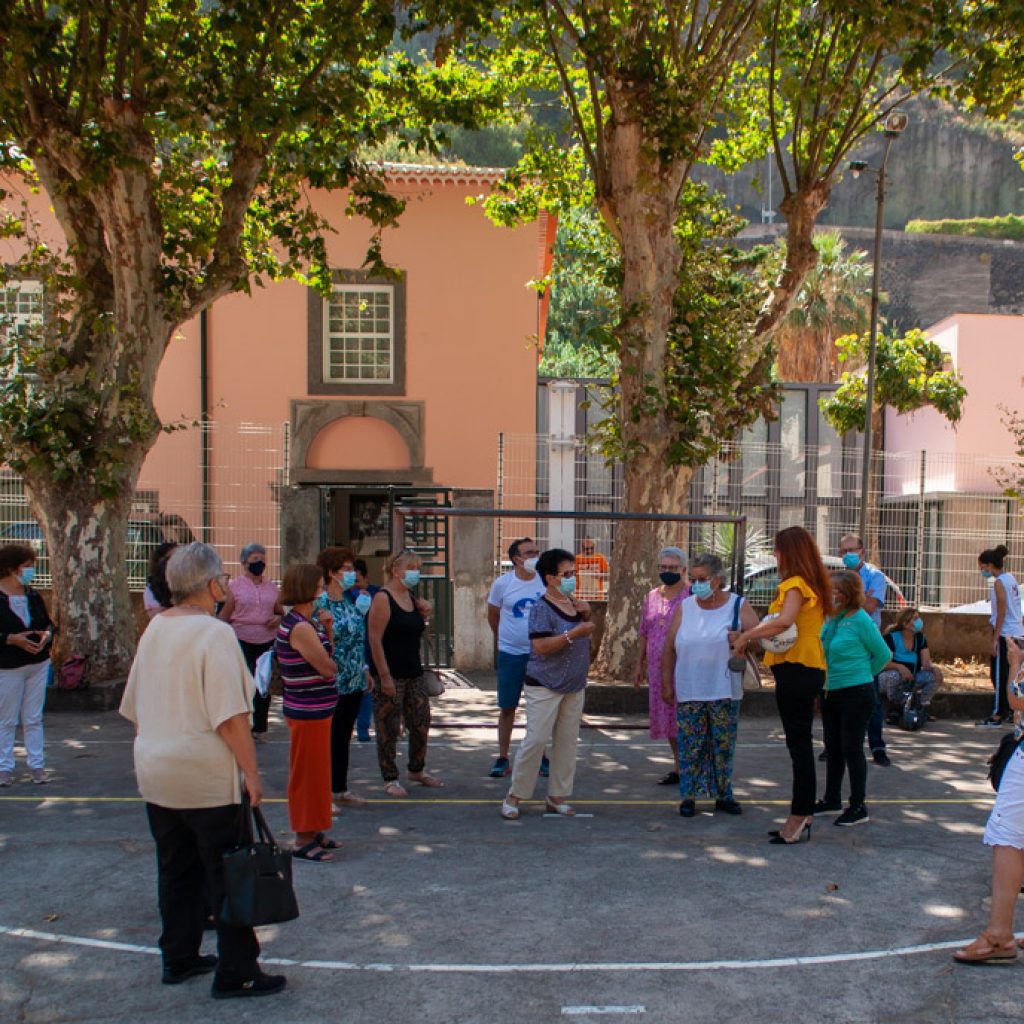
[(910, 679)]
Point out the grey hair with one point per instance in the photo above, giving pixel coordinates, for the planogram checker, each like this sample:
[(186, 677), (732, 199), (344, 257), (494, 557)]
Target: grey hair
[(677, 553), (190, 568), (709, 561), (251, 549)]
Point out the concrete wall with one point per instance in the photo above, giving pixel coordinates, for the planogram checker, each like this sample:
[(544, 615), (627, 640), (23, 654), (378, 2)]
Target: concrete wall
[(472, 559)]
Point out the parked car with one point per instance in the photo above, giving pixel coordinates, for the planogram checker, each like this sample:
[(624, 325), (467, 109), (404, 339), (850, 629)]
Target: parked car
[(761, 581), (145, 532)]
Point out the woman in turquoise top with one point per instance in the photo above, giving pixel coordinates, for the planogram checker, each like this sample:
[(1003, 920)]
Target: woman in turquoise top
[(854, 654), (348, 625)]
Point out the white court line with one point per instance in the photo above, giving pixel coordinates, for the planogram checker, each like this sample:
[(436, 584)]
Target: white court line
[(554, 968), (587, 1011)]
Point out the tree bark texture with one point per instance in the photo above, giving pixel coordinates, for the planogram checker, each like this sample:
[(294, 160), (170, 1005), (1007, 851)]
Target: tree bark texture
[(646, 194), (86, 540)]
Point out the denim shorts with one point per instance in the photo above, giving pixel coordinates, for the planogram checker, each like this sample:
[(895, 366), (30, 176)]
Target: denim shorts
[(511, 673)]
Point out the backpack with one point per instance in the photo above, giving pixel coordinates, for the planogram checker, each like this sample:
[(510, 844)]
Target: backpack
[(71, 674)]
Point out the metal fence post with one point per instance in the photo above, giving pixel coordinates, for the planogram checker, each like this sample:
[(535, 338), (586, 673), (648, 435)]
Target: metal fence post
[(919, 553)]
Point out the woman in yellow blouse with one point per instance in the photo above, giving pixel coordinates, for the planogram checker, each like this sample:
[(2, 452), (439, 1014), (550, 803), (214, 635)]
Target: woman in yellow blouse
[(804, 597)]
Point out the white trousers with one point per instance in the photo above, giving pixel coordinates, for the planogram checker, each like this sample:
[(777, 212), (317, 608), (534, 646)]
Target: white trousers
[(22, 696), (549, 716)]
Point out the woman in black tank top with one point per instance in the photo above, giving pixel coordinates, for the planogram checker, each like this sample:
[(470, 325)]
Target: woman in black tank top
[(395, 625)]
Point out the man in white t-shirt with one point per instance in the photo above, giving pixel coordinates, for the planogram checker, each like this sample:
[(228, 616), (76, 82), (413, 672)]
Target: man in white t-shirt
[(508, 613)]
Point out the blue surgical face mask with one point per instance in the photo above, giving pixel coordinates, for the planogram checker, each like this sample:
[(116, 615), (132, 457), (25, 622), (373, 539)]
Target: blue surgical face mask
[(411, 577), (567, 585), (27, 575), (851, 560), (986, 574), (348, 579), (701, 589), (918, 625), (670, 579), (363, 602)]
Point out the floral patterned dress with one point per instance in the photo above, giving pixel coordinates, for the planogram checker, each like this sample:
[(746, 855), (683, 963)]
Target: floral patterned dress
[(657, 616)]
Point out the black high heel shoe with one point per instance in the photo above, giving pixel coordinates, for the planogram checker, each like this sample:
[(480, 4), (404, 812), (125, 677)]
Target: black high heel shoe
[(778, 839)]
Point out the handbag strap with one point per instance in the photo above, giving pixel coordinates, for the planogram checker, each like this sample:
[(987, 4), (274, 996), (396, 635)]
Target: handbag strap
[(253, 816), (736, 612)]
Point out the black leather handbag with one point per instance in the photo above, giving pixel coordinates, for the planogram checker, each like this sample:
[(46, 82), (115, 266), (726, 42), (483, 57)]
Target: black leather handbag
[(258, 876), (1001, 758)]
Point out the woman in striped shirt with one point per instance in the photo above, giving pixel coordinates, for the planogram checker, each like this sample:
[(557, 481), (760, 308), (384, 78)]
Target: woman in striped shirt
[(303, 651)]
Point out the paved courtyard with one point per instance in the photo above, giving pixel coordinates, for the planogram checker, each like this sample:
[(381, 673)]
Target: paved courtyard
[(439, 911)]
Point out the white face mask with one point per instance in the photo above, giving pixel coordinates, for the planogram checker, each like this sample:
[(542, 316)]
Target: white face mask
[(530, 564)]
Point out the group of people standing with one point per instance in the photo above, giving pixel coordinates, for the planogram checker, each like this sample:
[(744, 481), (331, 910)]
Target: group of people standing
[(191, 696)]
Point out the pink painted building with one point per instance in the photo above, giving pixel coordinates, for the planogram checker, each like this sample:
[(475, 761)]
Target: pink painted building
[(323, 411)]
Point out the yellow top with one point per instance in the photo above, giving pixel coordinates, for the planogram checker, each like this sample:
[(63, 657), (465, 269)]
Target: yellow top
[(807, 650)]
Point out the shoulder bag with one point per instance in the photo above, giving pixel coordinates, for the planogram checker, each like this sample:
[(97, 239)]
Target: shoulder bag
[(257, 876), (751, 669), (1001, 758)]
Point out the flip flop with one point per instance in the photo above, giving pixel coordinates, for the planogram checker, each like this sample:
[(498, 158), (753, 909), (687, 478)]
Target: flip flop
[(324, 843), (427, 780), (984, 952), (395, 789), (313, 853)]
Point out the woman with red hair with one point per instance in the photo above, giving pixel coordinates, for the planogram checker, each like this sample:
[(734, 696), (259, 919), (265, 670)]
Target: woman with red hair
[(803, 599)]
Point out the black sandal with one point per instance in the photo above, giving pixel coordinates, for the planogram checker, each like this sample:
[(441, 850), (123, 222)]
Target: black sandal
[(324, 843), (312, 852)]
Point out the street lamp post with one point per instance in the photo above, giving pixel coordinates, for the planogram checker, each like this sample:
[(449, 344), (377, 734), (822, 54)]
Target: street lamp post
[(893, 125)]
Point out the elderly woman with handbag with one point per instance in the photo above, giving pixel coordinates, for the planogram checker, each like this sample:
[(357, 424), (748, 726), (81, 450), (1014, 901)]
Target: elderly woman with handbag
[(189, 695), (697, 677)]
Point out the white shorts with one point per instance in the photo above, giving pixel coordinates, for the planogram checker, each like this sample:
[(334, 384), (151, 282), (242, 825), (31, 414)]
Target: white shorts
[(1005, 825)]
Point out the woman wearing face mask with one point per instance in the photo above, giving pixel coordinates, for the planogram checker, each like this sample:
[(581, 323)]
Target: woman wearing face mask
[(659, 607), (353, 681), (26, 633), (855, 653), (910, 661), (556, 677), (254, 610), (695, 675), (1006, 622), (396, 623), (304, 653)]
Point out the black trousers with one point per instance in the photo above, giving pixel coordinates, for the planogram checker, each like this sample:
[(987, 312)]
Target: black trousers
[(796, 689), (999, 673), (345, 713), (260, 704), (190, 845), (844, 716)]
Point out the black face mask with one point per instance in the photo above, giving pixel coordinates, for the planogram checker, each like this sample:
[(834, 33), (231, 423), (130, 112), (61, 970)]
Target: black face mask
[(670, 579), (256, 568)]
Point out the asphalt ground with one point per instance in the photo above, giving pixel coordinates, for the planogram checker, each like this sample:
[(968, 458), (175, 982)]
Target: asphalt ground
[(438, 910)]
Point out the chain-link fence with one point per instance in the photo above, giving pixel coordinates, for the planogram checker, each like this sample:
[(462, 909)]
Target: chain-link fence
[(214, 482), (931, 513)]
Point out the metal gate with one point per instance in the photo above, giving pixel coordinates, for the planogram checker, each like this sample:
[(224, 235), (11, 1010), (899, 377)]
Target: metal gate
[(428, 536)]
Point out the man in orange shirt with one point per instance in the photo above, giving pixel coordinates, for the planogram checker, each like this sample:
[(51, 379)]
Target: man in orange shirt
[(592, 571)]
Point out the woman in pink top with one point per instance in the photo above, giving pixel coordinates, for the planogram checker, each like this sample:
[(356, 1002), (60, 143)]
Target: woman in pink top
[(254, 609), (659, 607)]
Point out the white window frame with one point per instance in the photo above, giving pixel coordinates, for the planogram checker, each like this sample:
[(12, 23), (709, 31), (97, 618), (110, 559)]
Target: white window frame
[(329, 338), (13, 322)]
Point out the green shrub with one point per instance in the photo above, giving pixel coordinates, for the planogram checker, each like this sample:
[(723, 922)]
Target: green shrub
[(1011, 226)]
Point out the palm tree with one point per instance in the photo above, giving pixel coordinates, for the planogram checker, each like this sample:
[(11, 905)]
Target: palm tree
[(835, 300)]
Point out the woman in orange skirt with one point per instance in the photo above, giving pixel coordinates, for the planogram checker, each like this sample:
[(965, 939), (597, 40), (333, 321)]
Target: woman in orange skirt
[(303, 651)]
